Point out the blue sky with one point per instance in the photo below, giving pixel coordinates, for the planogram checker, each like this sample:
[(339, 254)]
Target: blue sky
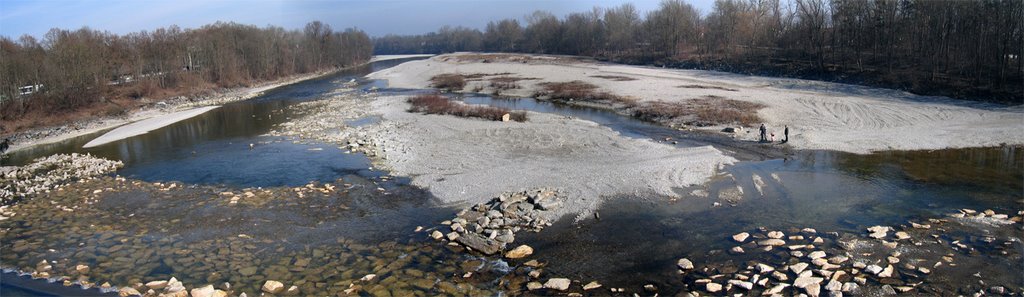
[(18, 17)]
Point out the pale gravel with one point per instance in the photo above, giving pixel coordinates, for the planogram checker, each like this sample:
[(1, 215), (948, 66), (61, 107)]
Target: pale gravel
[(469, 161), (144, 126), (821, 115)]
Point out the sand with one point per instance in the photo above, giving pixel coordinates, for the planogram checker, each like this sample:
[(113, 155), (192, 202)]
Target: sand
[(144, 126), (379, 58), (469, 161), (820, 115)]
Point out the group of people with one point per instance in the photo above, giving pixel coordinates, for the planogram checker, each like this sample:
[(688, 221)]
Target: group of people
[(764, 135)]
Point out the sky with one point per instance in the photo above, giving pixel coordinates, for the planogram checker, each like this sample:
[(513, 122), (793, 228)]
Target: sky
[(377, 18)]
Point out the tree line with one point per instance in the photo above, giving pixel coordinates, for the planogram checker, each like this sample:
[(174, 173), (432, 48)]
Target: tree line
[(963, 49), (68, 70)]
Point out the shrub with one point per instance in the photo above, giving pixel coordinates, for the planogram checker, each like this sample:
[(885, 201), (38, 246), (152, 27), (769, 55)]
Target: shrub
[(582, 91), (706, 111), (448, 81), (436, 104)]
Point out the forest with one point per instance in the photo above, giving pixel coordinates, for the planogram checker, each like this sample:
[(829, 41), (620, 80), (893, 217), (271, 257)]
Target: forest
[(962, 49), (68, 71)]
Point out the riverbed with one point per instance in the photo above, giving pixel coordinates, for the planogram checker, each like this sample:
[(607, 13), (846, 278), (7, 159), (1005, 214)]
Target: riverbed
[(222, 198)]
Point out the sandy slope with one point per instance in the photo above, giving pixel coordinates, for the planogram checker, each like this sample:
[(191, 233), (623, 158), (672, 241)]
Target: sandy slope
[(144, 126), (821, 115), (471, 160)]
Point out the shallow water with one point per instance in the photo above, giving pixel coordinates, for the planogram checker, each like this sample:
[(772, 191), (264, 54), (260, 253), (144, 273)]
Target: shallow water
[(214, 147)]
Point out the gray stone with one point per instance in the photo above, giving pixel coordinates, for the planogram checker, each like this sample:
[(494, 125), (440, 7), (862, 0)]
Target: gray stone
[(560, 284), (479, 243)]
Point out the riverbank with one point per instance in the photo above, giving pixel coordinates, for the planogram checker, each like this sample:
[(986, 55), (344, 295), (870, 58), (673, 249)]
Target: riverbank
[(53, 134), (820, 115)]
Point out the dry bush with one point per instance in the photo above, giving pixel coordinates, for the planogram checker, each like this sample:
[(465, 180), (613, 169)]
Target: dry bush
[(448, 81), (614, 77), (706, 87), (701, 112), (580, 91), (436, 104), (506, 82)]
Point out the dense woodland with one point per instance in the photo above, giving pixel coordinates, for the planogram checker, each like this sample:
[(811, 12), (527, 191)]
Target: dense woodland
[(72, 70), (963, 49)]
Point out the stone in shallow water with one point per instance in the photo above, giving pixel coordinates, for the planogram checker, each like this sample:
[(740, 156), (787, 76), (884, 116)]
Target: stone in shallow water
[(560, 284), (713, 287), (741, 237), (519, 252), (591, 285), (273, 287), (684, 264), (479, 243)]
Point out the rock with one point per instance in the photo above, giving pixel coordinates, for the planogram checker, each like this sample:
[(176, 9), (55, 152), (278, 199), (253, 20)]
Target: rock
[(729, 130), (291, 291), (777, 289), (838, 259), (736, 250), (809, 231), (924, 270), (368, 277), (878, 232), (776, 234), (816, 255), (82, 269), (850, 287), (534, 286), (798, 267), (560, 284), (741, 237), (273, 287), (873, 269), (742, 284), (772, 242), (997, 290), (888, 290), (887, 272), (591, 285), (506, 117), (452, 236), (519, 252), (713, 287), (128, 291), (247, 271), (684, 264), (813, 290), (532, 263), (157, 285), (803, 282), (902, 235), (479, 243), (206, 291), (764, 268), (834, 286), (650, 288), (436, 235)]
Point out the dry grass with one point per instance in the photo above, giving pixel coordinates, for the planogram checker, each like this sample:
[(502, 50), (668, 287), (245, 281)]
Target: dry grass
[(507, 82), (614, 77), (701, 112), (580, 91), (706, 87), (436, 104), (448, 81)]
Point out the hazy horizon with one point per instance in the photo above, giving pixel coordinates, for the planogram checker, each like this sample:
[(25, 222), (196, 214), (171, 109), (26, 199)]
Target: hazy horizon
[(376, 18)]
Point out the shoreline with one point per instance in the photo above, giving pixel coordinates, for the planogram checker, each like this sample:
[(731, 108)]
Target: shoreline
[(99, 124)]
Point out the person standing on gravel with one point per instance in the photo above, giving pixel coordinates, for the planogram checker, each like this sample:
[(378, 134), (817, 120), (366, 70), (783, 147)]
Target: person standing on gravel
[(764, 133), (786, 133)]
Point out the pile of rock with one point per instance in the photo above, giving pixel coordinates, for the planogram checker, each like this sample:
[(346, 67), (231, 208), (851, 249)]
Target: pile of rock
[(489, 227), (48, 173), (800, 264), (987, 216)]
